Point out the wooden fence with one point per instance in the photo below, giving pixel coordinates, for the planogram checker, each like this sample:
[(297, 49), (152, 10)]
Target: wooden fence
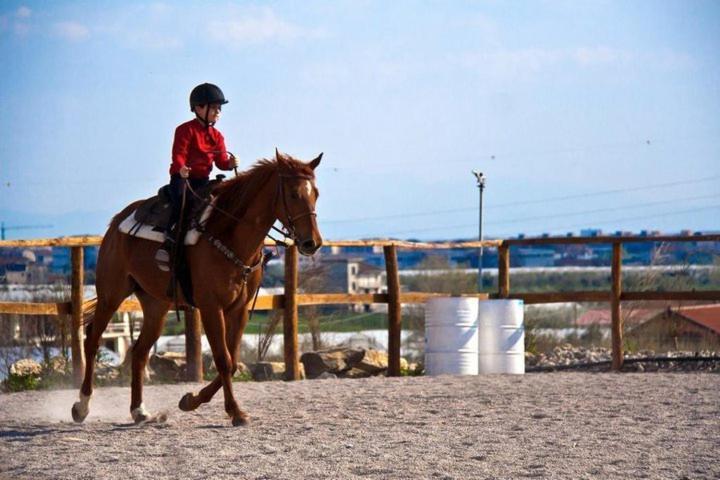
[(291, 299)]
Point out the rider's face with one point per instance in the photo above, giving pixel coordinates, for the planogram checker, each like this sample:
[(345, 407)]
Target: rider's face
[(212, 111)]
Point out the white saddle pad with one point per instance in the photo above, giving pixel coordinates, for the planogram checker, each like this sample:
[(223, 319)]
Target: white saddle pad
[(138, 229)]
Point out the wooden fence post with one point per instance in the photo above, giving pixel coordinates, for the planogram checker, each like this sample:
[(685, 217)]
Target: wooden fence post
[(76, 301), (616, 291), (290, 315), (394, 311), (193, 345), (504, 271)]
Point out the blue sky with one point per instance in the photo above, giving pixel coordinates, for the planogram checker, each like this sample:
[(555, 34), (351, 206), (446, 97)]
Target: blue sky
[(581, 114)]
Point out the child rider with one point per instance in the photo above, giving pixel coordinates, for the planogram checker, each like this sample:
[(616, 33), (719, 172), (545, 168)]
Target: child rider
[(197, 145)]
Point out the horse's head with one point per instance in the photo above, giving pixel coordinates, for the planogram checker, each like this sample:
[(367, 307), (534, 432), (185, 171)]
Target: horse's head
[(297, 195)]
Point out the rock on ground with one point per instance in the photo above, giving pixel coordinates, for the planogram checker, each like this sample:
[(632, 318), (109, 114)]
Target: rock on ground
[(553, 425), (347, 362), (569, 355)]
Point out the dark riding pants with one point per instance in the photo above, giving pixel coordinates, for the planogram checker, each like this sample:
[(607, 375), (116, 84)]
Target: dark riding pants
[(177, 185), (176, 230)]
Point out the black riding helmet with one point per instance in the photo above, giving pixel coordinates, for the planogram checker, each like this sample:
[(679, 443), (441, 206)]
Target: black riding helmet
[(206, 94)]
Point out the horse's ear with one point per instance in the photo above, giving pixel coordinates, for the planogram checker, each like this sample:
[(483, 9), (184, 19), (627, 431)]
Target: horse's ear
[(313, 164), (280, 158)]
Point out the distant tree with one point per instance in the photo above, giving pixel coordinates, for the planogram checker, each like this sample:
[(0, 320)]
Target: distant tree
[(313, 278), (441, 277), (268, 333)]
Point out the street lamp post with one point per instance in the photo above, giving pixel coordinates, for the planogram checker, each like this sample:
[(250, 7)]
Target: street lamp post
[(481, 186)]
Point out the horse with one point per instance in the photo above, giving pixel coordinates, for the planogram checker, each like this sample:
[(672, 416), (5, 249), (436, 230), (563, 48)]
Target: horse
[(245, 209)]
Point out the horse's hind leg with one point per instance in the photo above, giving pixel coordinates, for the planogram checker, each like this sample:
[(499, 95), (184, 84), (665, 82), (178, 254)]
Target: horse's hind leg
[(191, 401), (154, 312), (104, 310)]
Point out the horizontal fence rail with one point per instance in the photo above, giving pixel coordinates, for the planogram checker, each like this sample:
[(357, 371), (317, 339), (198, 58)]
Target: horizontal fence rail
[(291, 299)]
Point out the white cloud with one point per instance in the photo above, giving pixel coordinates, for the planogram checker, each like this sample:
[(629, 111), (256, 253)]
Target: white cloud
[(509, 62), (156, 26), (17, 22), (21, 29), (585, 56), (263, 27), (535, 60), (71, 30), (23, 12)]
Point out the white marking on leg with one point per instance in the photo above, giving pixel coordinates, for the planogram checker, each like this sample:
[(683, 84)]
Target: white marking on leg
[(83, 406), (140, 413)]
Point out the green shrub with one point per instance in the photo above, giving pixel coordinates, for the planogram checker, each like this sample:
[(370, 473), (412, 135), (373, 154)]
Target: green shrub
[(242, 377), (18, 383)]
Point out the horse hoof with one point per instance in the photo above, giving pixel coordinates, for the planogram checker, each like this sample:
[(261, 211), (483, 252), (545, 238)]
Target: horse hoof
[(240, 421), (140, 415), (140, 419), (186, 403), (76, 415)]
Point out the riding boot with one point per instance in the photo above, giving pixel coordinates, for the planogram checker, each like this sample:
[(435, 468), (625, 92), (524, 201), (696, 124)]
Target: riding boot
[(165, 254)]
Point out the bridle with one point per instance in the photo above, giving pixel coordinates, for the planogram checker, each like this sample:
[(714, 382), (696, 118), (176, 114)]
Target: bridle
[(291, 219), (288, 230)]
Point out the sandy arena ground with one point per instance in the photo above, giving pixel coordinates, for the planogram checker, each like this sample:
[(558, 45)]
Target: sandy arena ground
[(552, 425)]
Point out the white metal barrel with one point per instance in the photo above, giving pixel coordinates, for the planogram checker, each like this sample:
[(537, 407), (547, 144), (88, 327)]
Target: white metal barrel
[(451, 336), (501, 334)]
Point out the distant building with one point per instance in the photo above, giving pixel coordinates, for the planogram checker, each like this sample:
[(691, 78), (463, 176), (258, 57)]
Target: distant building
[(590, 232), (688, 328), (353, 276), (62, 259), (26, 274), (536, 257), (356, 250)]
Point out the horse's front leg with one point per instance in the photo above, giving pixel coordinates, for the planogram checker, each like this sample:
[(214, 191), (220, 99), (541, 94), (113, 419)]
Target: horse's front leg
[(237, 320), (154, 312), (213, 321)]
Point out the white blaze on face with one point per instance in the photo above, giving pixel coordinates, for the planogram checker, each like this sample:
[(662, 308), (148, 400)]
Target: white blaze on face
[(308, 187)]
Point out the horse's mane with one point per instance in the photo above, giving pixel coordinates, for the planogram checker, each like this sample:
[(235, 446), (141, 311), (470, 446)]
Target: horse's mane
[(234, 196)]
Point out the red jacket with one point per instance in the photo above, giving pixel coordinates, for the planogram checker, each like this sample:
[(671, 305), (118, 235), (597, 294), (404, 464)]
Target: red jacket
[(198, 147)]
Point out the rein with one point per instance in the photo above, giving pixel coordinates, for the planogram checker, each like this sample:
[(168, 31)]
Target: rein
[(289, 233), (264, 258)]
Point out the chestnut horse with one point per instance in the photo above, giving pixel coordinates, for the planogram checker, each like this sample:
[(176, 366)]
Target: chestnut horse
[(224, 264)]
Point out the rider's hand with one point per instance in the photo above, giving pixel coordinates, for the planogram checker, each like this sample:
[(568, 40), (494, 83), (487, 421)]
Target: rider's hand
[(232, 161), (184, 171)]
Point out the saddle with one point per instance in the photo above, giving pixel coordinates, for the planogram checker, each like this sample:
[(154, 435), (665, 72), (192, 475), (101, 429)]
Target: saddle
[(155, 211), (150, 220)]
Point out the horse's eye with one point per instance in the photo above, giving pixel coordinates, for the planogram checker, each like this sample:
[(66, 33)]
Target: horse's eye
[(295, 196)]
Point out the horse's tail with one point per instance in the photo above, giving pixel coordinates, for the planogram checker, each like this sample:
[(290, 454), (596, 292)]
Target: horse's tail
[(89, 307)]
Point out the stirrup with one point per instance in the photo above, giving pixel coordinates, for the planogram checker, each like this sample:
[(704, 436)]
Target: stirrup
[(162, 258)]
